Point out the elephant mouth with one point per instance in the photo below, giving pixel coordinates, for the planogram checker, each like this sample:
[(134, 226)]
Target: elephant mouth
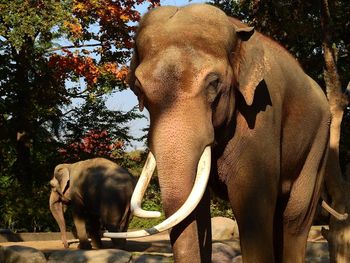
[(199, 186)]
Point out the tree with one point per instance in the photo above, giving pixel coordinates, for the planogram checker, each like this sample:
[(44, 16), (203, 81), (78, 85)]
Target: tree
[(337, 186), (54, 55), (296, 25), (26, 33), (92, 130)]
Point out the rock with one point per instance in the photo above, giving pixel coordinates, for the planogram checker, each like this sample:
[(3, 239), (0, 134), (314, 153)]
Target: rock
[(315, 234), (317, 252), (222, 253), (90, 256), (21, 254), (147, 258), (317, 260), (223, 228)]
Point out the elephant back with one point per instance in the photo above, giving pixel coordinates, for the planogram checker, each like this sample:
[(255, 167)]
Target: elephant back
[(106, 189)]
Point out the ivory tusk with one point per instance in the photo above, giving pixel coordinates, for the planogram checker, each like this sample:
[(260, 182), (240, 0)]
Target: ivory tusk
[(141, 187), (334, 213), (190, 204)]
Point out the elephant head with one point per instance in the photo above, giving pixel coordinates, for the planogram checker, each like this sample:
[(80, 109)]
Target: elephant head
[(60, 197), (189, 64)]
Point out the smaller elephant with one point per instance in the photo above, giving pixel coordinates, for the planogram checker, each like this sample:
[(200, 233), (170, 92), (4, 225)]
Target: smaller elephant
[(99, 192)]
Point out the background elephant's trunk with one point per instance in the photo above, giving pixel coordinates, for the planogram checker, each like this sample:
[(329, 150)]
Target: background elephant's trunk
[(56, 208)]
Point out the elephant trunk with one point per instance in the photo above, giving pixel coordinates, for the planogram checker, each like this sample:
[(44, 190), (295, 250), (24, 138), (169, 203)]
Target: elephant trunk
[(178, 151), (177, 174), (180, 145), (56, 208)]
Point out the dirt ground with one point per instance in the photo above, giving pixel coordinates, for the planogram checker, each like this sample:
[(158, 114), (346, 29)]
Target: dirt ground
[(317, 249)]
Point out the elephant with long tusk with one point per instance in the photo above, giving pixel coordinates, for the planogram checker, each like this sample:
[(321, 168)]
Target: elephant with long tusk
[(233, 103)]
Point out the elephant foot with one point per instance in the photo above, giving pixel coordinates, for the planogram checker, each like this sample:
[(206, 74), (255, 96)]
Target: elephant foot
[(96, 243), (65, 244), (85, 245)]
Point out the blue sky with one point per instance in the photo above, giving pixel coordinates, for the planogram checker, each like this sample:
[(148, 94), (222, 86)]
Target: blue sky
[(126, 100)]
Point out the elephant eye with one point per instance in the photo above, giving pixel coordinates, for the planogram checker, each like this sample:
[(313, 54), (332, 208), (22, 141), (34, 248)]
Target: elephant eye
[(212, 90)]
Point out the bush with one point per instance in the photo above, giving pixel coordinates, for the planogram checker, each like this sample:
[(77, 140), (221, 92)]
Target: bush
[(150, 202), (22, 211), (219, 207)]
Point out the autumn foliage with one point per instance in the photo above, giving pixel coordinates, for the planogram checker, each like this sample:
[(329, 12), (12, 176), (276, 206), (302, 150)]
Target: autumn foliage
[(116, 22), (84, 66), (93, 144), (73, 63)]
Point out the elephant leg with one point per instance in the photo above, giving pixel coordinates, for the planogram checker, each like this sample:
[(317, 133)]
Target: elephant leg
[(117, 242), (95, 232), (112, 217), (254, 209), (80, 225), (302, 203), (290, 245), (294, 247), (295, 233), (298, 218)]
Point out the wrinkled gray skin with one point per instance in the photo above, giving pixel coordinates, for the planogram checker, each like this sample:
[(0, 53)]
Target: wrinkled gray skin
[(207, 79), (99, 192)]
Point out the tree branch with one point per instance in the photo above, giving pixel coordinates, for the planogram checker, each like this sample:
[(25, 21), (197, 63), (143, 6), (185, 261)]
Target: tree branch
[(72, 46)]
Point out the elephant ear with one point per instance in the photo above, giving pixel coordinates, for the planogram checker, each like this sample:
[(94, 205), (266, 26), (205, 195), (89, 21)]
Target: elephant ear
[(130, 78), (63, 177), (132, 81), (249, 62)]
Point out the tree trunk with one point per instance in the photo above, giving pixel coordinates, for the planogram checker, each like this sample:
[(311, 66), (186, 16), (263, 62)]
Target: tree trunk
[(23, 162), (22, 124), (338, 235)]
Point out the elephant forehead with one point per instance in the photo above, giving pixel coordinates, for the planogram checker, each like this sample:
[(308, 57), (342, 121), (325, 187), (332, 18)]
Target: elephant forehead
[(174, 69), (173, 18), (210, 32), (174, 61)]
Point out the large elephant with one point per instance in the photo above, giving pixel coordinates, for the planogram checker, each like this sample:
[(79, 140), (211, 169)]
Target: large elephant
[(213, 85), (99, 192)]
